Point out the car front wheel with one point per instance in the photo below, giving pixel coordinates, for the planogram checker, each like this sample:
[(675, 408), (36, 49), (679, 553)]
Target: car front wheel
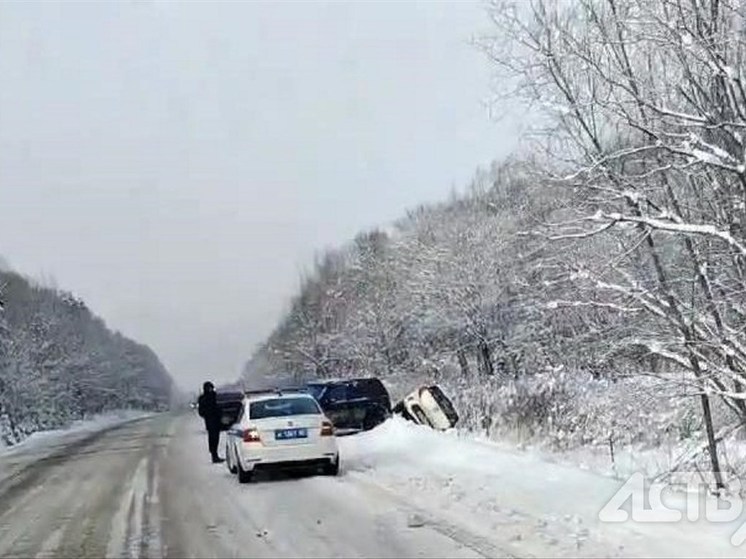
[(229, 461), (332, 468)]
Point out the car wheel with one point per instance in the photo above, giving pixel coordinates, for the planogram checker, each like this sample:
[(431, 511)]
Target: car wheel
[(332, 468), (243, 475), (229, 460)]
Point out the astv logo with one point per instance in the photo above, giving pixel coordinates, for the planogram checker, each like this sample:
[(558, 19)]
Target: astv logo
[(690, 500)]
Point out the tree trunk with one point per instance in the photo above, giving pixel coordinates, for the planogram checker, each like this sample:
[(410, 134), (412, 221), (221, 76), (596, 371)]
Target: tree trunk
[(711, 442), (488, 368), (514, 366), (738, 388), (463, 362)]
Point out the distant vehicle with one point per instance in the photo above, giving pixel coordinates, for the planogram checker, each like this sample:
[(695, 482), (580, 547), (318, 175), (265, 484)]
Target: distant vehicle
[(353, 405), (428, 405), (280, 430), (229, 404)]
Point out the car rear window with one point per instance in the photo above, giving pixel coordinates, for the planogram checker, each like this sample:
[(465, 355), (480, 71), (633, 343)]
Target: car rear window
[(315, 390), (282, 407), (361, 388), (373, 387)]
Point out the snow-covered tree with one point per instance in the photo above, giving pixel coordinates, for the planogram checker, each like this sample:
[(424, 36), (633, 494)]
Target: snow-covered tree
[(59, 362), (647, 111)]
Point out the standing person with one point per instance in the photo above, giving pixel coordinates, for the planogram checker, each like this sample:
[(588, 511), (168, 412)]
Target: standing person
[(208, 410)]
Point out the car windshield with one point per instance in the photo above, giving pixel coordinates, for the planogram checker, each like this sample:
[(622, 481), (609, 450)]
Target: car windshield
[(282, 407)]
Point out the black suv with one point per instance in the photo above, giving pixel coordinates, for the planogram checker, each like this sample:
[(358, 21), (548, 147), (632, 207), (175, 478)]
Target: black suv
[(352, 405), (229, 403)]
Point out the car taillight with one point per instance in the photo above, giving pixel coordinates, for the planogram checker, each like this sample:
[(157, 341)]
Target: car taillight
[(327, 429), (251, 436)]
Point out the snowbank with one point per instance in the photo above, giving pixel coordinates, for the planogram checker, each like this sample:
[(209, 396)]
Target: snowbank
[(553, 508), (75, 430)]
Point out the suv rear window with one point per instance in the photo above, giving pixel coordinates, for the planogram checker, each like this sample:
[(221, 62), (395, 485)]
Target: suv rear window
[(283, 407), (350, 390), (371, 387)]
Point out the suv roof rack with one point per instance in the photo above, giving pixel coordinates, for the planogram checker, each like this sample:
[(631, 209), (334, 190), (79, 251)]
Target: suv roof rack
[(334, 380), (277, 390), (342, 380)]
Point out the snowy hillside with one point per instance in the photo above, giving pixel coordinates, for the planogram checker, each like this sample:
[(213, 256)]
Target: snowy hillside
[(59, 362)]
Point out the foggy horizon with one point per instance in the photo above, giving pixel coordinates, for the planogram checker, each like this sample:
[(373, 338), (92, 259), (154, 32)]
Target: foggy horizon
[(177, 165)]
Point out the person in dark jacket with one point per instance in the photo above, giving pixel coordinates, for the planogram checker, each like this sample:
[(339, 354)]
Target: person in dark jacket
[(209, 411)]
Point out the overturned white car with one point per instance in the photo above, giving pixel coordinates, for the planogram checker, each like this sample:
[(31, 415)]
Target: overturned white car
[(428, 405)]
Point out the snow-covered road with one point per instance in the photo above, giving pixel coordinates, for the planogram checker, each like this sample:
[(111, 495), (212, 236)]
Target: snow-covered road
[(146, 488)]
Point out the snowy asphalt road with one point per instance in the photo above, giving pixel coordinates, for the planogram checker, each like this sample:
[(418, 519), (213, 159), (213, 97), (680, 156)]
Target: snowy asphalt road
[(146, 489)]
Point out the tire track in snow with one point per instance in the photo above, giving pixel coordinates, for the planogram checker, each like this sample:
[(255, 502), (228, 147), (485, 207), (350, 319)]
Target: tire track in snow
[(26, 475), (64, 506), (135, 528), (49, 546), (480, 544)]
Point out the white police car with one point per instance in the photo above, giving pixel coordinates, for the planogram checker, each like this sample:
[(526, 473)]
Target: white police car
[(280, 429)]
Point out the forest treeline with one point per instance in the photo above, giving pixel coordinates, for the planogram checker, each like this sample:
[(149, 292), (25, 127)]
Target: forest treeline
[(593, 286), (59, 362)]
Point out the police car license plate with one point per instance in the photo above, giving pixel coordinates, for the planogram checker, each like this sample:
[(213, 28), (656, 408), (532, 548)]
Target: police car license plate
[(296, 433)]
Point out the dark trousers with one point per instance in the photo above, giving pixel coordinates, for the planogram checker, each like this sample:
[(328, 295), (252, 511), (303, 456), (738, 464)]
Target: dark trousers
[(213, 438)]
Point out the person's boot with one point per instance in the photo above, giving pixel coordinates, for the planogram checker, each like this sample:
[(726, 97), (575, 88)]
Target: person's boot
[(217, 459)]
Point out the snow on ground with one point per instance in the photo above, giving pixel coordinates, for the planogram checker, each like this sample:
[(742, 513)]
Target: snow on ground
[(651, 461), (76, 429), (288, 515), (404, 490), (548, 508)]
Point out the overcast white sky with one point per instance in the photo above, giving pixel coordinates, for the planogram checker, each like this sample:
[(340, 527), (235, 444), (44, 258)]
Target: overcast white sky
[(176, 163)]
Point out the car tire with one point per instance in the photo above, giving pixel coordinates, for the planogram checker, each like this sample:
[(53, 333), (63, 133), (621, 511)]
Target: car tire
[(332, 468), (229, 462), (243, 475)]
